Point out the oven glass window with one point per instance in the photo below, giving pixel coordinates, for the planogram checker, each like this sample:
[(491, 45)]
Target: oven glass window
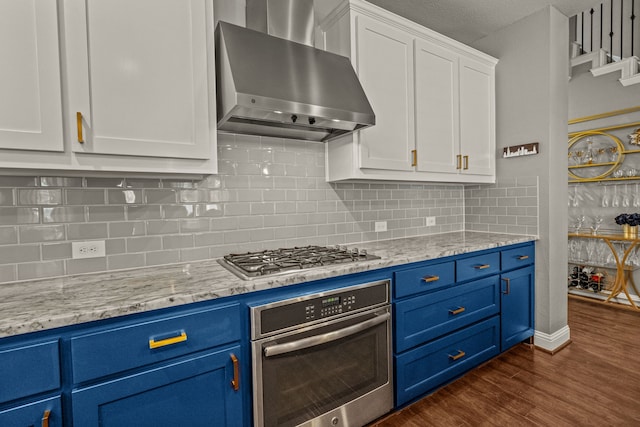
[(304, 384)]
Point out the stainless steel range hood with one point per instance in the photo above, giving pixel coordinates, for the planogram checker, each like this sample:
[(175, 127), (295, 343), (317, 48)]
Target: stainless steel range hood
[(270, 86)]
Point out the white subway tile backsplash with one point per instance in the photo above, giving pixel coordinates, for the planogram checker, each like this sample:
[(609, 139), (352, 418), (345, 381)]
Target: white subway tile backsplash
[(269, 192), (86, 231), (63, 214), (6, 197), (8, 235), (41, 233)]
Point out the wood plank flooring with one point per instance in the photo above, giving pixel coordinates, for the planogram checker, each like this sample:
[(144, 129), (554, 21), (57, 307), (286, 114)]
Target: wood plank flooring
[(595, 381)]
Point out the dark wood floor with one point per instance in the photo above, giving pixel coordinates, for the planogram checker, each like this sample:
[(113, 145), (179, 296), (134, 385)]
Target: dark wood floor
[(595, 381)]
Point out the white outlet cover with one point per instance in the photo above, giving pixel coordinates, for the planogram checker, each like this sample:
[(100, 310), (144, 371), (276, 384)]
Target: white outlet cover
[(380, 226), (431, 221), (90, 249)]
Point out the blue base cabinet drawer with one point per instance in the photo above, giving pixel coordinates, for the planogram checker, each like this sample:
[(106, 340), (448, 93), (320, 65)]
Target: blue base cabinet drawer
[(115, 350), (192, 392), (43, 412), (477, 266), (421, 279), (429, 316), (29, 370), (518, 257), (423, 369)]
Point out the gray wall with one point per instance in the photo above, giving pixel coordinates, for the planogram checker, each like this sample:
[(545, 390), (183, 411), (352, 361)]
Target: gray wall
[(532, 107)]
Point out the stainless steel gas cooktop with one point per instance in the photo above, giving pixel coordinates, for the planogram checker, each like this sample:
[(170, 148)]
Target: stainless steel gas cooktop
[(277, 261)]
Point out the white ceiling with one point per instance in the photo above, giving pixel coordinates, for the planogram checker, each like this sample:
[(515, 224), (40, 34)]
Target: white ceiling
[(471, 20)]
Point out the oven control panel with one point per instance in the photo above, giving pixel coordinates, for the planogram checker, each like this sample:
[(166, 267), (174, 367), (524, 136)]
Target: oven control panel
[(299, 311)]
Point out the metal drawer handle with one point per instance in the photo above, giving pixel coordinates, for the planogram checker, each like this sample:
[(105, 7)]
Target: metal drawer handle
[(466, 162), (428, 279), (414, 158), (508, 281), (523, 257), (457, 311), (457, 356), (79, 120), (459, 161), (45, 418), (482, 267), (276, 349), (169, 341), (235, 382)]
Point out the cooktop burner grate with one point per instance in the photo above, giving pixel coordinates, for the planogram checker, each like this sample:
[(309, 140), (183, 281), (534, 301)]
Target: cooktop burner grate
[(274, 261)]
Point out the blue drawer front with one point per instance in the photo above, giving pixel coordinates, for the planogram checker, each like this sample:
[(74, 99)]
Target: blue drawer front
[(519, 257), (33, 413), (429, 316), (477, 266), (422, 279), (420, 370), (29, 370), (116, 350)]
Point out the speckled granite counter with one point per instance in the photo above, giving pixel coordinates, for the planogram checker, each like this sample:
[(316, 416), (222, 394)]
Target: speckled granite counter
[(50, 303)]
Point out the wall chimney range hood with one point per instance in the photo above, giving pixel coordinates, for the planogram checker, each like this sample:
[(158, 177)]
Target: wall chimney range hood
[(270, 86)]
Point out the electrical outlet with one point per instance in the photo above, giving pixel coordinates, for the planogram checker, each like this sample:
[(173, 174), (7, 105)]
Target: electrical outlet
[(92, 249), (381, 226), (431, 221)]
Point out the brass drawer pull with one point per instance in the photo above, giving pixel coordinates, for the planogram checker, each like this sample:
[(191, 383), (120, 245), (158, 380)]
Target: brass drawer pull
[(482, 267), (428, 279), (45, 418), (235, 382), (457, 356), (457, 311), (522, 257), (508, 290), (414, 157), (466, 162), (169, 341), (459, 161), (79, 120)]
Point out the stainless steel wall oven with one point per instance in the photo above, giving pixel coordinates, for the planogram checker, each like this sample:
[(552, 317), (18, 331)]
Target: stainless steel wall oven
[(323, 359)]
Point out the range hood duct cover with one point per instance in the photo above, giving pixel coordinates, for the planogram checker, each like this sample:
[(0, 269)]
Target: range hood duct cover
[(270, 86)]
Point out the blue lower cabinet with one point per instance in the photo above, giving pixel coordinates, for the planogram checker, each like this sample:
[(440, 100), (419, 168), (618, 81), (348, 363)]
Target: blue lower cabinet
[(45, 412), (193, 392), (427, 367), (517, 306)]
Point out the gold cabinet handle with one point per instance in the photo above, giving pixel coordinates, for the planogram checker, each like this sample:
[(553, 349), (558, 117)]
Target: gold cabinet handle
[(459, 161), (457, 311), (508, 289), (235, 382), (414, 157), (169, 341), (457, 356), (79, 120), (482, 267), (466, 162), (45, 418), (522, 257), (428, 279)]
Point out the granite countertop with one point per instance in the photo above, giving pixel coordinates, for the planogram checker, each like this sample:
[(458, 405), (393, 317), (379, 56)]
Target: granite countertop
[(49, 303)]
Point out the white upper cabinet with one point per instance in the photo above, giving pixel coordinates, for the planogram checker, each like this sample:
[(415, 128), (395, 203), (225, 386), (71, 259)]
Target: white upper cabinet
[(140, 80), (30, 103), (384, 66), (141, 75), (434, 100)]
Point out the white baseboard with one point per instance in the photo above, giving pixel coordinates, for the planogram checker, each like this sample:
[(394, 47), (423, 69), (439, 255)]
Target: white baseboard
[(551, 342)]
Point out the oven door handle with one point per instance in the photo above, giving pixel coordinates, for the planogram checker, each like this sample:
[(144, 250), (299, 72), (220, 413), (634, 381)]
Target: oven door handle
[(276, 349)]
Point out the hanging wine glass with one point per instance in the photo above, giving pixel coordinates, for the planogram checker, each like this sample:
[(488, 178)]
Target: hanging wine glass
[(605, 198), (576, 201), (615, 201), (625, 197), (636, 198), (597, 222)]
